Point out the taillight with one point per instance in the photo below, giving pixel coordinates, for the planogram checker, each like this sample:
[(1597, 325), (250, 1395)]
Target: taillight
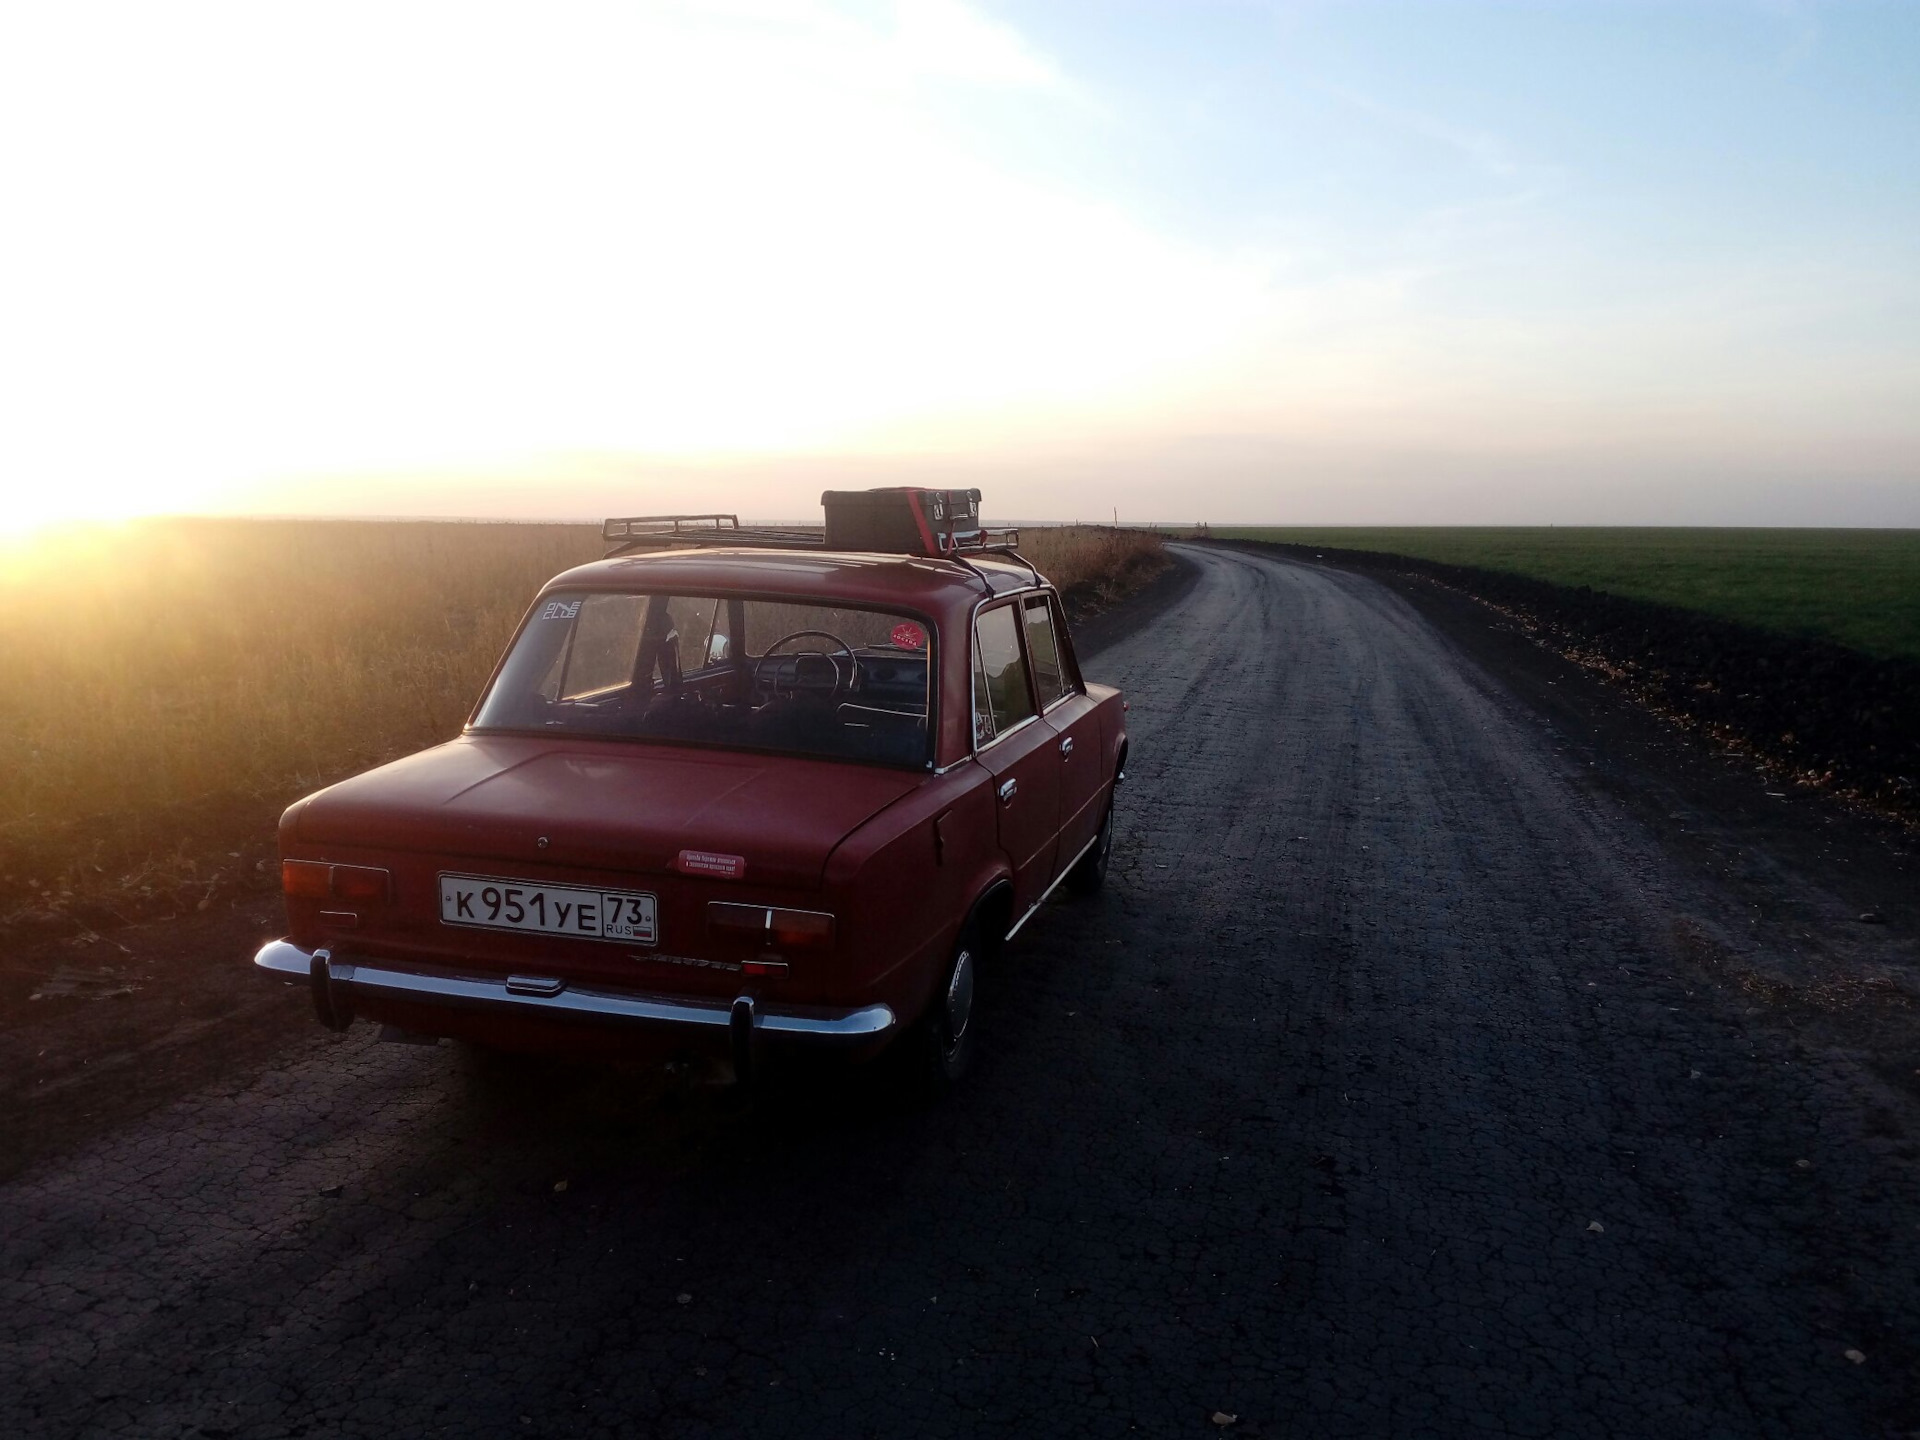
[(771, 926), (800, 929), (317, 880), (359, 882), (737, 922), (307, 879)]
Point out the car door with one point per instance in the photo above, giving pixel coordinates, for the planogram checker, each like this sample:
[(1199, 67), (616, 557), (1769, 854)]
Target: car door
[(1019, 749), (1069, 712)]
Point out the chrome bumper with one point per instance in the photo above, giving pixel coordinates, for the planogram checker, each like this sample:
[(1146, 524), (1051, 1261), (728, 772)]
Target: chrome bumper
[(336, 980)]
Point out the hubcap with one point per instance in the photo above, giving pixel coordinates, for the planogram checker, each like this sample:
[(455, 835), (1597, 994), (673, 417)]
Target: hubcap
[(959, 997)]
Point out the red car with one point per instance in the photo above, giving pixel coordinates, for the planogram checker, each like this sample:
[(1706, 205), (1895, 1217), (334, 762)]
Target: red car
[(735, 788)]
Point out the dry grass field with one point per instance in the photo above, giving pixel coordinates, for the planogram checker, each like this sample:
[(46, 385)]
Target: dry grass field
[(1094, 563), (171, 684)]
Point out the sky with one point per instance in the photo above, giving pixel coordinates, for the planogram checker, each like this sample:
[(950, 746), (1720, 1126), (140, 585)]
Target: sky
[(1297, 263)]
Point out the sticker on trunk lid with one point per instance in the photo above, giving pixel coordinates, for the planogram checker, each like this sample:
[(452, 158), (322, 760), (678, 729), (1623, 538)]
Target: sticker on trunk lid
[(707, 862)]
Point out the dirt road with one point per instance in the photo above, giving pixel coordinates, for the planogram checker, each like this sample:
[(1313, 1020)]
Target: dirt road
[(1413, 1076)]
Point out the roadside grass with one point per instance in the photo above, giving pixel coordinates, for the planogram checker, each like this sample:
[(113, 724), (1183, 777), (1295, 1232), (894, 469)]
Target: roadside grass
[(170, 684), (194, 657), (1860, 588), (1095, 563)]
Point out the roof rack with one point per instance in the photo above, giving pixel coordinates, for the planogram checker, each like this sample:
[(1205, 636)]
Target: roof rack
[(933, 524), (688, 532)]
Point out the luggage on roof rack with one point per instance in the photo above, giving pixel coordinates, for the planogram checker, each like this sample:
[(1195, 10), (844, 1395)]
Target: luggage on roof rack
[(902, 520)]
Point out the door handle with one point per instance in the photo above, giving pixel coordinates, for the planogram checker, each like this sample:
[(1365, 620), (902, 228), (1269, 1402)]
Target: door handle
[(1007, 789), (1066, 747)]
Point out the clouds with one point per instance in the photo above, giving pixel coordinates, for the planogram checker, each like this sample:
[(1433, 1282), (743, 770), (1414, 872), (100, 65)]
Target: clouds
[(1487, 154)]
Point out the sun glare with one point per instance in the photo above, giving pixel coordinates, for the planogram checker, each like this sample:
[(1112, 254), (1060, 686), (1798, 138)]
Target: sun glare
[(58, 547), (700, 234), (31, 516)]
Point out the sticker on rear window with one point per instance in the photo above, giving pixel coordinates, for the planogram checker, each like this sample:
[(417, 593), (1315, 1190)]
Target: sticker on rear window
[(560, 610), (908, 636)]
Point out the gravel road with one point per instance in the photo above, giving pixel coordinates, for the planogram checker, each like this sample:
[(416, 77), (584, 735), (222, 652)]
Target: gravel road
[(1404, 1081)]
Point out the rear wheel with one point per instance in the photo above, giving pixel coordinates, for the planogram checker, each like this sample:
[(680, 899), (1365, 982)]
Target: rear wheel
[(943, 1041), (1089, 872)]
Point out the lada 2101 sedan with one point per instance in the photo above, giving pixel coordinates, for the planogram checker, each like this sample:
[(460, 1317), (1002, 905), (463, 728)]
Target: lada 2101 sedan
[(748, 789)]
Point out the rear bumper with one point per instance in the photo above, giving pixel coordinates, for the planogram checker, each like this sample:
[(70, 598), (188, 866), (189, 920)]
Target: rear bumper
[(344, 985)]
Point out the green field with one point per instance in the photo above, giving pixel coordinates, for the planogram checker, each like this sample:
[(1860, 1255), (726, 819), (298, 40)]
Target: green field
[(1859, 587)]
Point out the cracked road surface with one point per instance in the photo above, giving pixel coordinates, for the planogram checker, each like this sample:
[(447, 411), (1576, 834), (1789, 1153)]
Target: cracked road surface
[(1398, 1084)]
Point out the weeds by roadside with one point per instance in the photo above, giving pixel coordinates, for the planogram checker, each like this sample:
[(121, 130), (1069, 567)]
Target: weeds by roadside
[(1093, 566)]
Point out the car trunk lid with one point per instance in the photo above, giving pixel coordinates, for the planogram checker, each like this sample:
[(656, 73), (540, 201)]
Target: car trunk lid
[(607, 806)]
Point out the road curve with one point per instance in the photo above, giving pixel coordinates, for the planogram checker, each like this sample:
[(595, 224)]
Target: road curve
[(1380, 1094)]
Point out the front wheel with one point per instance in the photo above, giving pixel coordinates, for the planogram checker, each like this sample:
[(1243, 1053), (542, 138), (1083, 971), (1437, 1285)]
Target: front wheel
[(1089, 872)]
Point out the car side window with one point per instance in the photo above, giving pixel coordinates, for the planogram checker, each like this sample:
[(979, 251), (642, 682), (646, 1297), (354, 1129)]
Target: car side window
[(695, 620), (1001, 698), (1049, 675), (1070, 678), (982, 711), (604, 644)]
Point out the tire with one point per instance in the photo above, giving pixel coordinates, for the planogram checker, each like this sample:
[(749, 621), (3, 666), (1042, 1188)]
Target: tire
[(1089, 872), (943, 1041)]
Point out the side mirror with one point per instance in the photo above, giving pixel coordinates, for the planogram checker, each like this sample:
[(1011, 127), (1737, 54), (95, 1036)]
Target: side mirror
[(718, 648)]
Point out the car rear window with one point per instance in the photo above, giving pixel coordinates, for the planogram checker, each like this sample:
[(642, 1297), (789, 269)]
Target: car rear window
[(798, 678)]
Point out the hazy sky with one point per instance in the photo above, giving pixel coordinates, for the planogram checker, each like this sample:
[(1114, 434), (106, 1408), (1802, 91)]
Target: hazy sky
[(1415, 262)]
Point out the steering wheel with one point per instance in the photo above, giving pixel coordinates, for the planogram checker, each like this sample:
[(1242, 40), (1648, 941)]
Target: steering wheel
[(842, 683)]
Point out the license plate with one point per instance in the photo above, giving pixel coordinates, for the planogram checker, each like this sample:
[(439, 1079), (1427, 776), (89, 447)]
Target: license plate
[(494, 904)]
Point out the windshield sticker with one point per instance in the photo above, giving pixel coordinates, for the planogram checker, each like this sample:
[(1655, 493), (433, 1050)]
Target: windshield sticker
[(560, 610), (908, 636)]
